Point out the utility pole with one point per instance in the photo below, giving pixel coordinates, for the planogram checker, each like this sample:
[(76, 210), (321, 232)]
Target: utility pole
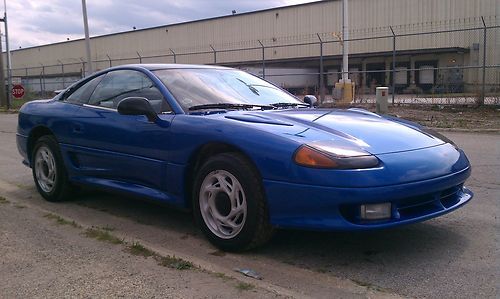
[(3, 94), (345, 45), (90, 69), (9, 66)]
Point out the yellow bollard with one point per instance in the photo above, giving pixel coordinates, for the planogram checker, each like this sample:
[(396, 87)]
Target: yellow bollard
[(345, 92)]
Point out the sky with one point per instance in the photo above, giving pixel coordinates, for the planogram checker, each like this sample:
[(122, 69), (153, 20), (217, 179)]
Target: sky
[(39, 22)]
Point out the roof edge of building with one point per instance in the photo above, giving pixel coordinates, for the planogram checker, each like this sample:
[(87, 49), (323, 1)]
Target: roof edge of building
[(178, 24)]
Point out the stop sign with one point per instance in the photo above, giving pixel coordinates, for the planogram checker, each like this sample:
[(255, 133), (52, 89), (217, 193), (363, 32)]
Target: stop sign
[(18, 91)]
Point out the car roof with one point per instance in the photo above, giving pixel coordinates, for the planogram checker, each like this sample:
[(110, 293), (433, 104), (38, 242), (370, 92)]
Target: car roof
[(165, 66)]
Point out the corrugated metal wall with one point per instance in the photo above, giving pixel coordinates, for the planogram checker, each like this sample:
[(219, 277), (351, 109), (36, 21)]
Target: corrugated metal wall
[(280, 26)]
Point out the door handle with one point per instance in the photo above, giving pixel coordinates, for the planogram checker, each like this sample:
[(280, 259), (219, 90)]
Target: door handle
[(77, 128)]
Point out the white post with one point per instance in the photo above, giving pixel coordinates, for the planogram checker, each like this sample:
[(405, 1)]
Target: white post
[(90, 70), (9, 66), (345, 38)]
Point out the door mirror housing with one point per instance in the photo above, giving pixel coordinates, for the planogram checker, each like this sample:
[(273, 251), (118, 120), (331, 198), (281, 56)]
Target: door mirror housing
[(137, 106), (311, 100)]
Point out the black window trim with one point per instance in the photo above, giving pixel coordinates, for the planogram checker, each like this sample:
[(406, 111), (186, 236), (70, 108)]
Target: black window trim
[(114, 109), (73, 89)]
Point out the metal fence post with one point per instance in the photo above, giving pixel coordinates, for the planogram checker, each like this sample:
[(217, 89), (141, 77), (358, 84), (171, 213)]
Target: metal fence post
[(42, 81), (393, 64), (62, 72), (109, 58), (215, 54), (321, 76), (483, 89), (175, 56), (263, 59), (140, 57), (83, 68)]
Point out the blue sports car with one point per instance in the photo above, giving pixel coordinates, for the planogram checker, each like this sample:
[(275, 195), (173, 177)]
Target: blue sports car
[(244, 155)]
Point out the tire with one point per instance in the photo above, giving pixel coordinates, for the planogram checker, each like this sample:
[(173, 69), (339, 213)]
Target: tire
[(49, 172), (229, 203)]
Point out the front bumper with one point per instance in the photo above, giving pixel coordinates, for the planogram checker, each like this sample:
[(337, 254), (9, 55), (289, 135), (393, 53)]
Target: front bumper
[(332, 208)]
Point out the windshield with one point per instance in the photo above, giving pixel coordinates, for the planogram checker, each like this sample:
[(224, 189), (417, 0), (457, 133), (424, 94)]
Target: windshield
[(195, 87)]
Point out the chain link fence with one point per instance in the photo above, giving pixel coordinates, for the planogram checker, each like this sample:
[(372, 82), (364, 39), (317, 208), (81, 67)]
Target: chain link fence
[(451, 62)]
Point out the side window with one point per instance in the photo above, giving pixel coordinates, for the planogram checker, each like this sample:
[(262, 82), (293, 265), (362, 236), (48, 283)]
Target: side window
[(118, 85), (81, 94)]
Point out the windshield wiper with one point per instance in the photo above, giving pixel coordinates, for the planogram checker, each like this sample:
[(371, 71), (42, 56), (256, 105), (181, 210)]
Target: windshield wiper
[(229, 106), (285, 104)]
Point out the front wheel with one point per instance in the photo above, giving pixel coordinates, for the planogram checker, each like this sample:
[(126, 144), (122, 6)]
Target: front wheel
[(48, 169), (229, 203)]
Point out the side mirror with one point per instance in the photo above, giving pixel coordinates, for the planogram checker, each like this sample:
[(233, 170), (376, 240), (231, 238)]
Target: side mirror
[(137, 106), (311, 100)]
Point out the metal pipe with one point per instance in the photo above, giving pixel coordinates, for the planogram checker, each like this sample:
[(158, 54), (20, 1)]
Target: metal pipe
[(140, 57), (87, 39)]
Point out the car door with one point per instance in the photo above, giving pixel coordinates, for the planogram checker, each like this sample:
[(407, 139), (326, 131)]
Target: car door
[(113, 149)]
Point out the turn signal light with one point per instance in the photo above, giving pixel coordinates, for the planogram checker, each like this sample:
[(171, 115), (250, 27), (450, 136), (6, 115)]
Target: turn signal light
[(310, 157)]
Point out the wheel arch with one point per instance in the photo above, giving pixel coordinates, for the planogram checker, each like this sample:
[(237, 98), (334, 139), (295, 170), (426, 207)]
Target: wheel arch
[(34, 135), (202, 154)]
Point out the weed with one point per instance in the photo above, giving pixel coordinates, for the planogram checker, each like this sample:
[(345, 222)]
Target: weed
[(137, 249), (108, 228), (222, 276), (322, 270), (3, 200), (243, 286), (61, 221), (102, 235), (368, 285), (174, 263)]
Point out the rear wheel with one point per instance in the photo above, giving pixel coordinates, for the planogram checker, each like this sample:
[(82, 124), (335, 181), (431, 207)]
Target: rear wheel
[(229, 203), (49, 173)]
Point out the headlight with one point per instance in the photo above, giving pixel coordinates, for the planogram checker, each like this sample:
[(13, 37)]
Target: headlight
[(323, 154), (439, 136)]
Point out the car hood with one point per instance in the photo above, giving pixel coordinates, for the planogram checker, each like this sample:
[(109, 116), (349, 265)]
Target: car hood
[(353, 127)]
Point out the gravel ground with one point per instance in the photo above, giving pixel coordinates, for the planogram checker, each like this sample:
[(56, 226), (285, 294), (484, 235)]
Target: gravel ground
[(43, 259)]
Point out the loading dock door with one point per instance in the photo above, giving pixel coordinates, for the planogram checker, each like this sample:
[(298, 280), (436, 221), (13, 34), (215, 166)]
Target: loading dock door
[(426, 75), (401, 76)]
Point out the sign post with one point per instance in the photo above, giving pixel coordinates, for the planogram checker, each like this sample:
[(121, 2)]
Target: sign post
[(18, 91)]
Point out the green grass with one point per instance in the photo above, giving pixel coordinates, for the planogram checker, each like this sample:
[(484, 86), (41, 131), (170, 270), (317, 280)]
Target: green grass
[(243, 286), (102, 235), (174, 263), (137, 249), (61, 221)]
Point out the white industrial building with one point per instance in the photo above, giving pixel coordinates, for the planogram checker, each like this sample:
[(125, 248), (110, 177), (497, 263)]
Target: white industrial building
[(288, 38)]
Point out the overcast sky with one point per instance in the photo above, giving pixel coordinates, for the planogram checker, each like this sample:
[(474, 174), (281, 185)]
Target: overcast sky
[(38, 22)]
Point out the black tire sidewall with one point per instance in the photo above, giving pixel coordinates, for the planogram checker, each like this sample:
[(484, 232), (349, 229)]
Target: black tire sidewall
[(253, 194), (61, 179)]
